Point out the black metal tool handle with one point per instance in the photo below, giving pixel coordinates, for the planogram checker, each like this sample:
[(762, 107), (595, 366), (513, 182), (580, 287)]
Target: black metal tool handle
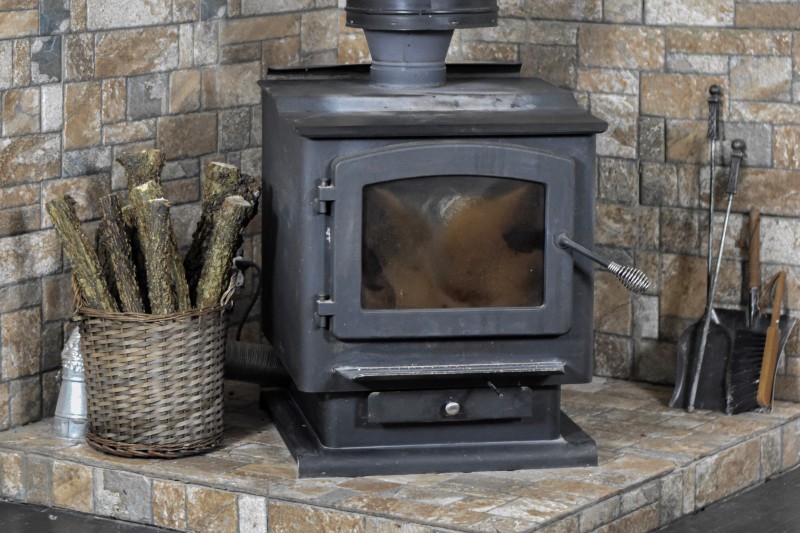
[(738, 152), (632, 278), (714, 107)]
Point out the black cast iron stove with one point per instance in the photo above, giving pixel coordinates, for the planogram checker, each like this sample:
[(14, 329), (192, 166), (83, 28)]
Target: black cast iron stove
[(420, 294)]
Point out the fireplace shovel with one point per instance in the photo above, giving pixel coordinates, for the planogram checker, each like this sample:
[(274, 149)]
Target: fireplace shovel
[(705, 336)]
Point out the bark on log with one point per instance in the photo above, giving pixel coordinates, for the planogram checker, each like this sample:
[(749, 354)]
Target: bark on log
[(142, 167), (115, 241), (85, 263), (228, 226), (169, 264), (221, 180), (137, 254)]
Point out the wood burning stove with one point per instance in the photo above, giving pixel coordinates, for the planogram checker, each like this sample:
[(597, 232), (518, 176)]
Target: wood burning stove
[(419, 293)]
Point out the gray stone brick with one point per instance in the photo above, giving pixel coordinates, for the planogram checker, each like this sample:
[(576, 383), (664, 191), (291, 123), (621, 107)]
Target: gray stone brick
[(618, 180), (122, 495), (212, 9), (52, 107), (82, 162), (25, 399), (53, 16), (29, 256), (759, 143), (105, 14), (659, 184), (51, 385), (234, 129), (52, 343), (613, 356), (147, 96), (15, 297), (46, 60)]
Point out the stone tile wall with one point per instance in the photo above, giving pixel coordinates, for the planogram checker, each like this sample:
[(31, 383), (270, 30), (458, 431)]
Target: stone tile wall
[(83, 80)]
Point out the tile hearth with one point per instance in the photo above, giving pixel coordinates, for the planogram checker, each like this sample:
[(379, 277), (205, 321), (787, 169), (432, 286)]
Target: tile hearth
[(656, 465)]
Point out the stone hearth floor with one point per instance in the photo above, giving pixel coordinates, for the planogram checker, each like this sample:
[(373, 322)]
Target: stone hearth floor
[(656, 465)]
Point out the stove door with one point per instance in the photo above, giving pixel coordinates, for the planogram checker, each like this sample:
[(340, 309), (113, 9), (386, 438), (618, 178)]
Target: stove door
[(449, 239)]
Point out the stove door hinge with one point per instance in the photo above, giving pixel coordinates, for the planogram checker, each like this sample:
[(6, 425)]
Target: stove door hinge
[(323, 311), (324, 198)]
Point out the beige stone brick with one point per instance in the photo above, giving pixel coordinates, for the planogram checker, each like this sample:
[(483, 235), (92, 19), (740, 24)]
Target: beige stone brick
[(623, 11), (780, 239), (767, 188), (113, 100), (12, 483), (612, 306), (169, 504), (182, 191), (73, 486), (126, 132), (290, 518), (77, 14), (137, 51), (184, 91), (554, 64), (596, 80), (19, 23), (684, 286), (20, 338), (728, 472), (489, 52), (258, 7), (234, 8), (78, 56), (231, 85), (689, 13), (786, 147), (616, 225), (19, 220), (775, 113), (184, 136), (205, 43), (186, 46), (647, 220), (9, 5), (19, 196), (211, 509), (240, 53), (82, 103), (613, 356), (686, 141), (761, 78), (29, 159), (677, 95), (21, 111), (599, 514), (39, 480), (107, 14), (768, 15), (621, 113), (645, 519), (319, 30), (583, 10), (506, 31), (260, 28), (631, 47), (57, 298), (353, 50), (552, 32), (22, 62), (728, 41)]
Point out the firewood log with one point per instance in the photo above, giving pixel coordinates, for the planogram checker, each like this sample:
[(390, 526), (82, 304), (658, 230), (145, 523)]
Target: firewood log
[(142, 167), (114, 241), (166, 282), (85, 263), (221, 180), (228, 226)]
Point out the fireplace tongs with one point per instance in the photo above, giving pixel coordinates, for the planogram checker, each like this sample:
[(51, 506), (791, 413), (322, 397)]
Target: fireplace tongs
[(632, 278)]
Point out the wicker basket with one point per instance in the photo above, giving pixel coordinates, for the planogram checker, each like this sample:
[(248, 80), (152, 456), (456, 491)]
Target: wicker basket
[(154, 383)]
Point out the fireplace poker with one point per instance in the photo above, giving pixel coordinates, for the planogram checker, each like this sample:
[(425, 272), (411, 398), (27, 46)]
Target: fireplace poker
[(739, 149), (632, 278), (713, 134)]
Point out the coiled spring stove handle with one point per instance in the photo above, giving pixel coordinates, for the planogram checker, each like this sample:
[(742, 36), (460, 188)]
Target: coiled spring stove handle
[(632, 278)]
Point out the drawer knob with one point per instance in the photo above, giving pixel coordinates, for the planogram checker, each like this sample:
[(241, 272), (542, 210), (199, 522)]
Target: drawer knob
[(452, 408)]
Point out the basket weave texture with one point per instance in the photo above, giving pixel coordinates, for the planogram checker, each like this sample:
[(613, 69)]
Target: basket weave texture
[(154, 383)]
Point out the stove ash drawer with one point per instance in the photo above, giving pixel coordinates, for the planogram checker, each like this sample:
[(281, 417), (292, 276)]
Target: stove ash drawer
[(451, 405)]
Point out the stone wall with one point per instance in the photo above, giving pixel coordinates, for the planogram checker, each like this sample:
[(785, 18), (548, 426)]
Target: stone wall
[(83, 80)]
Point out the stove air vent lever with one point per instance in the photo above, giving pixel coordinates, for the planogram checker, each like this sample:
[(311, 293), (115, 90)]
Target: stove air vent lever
[(632, 278)]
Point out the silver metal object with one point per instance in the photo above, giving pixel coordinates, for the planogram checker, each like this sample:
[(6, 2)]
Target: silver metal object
[(632, 278), (452, 408), (739, 150), (713, 134), (71, 416)]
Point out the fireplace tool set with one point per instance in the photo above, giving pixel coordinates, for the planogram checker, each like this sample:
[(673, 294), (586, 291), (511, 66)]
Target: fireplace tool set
[(727, 360)]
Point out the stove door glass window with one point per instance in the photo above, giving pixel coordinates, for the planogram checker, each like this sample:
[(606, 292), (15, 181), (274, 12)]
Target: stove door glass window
[(452, 242)]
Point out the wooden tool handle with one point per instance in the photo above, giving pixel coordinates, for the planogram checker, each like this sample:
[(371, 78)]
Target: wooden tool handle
[(754, 268), (769, 363)]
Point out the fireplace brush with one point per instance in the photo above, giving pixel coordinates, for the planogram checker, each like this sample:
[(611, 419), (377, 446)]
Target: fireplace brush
[(632, 278)]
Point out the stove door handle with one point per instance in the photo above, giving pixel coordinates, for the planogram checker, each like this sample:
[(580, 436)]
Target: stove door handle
[(632, 278)]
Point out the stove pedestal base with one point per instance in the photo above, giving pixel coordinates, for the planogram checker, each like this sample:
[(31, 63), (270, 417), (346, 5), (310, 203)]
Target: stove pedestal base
[(573, 448)]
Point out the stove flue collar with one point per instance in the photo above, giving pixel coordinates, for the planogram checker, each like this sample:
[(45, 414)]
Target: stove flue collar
[(420, 15)]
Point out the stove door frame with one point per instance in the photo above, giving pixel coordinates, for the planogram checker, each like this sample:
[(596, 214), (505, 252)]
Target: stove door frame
[(348, 175)]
